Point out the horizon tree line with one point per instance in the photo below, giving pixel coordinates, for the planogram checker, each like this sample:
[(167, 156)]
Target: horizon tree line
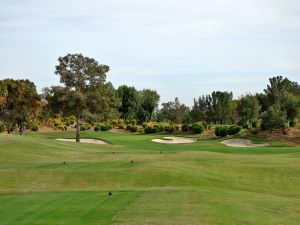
[(85, 93)]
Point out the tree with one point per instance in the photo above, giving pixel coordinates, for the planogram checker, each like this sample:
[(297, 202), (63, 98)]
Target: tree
[(218, 106), (285, 94), (57, 101), (19, 103), (263, 101), (248, 108), (200, 109), (148, 103), (233, 112), (291, 105), (278, 86), (81, 76), (173, 111), (129, 98), (104, 101), (274, 118)]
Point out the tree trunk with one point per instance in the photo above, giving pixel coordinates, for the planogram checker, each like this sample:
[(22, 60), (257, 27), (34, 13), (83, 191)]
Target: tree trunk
[(77, 129)]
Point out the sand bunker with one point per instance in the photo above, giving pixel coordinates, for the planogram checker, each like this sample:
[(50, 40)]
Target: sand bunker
[(175, 140), (239, 142), (84, 140)]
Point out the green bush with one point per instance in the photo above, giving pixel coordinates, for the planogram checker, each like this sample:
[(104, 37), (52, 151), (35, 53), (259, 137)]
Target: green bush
[(2, 127), (233, 129), (102, 127), (185, 127), (159, 128), (120, 123), (85, 126), (243, 124), (255, 131), (35, 127), (132, 128), (293, 123), (97, 128), (69, 120), (121, 126), (149, 130), (170, 128), (198, 128), (130, 122), (221, 131)]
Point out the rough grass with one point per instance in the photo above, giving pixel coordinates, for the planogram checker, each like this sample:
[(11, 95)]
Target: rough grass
[(199, 183)]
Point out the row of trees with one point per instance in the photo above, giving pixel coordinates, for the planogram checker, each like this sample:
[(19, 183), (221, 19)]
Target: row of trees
[(87, 95), (278, 106)]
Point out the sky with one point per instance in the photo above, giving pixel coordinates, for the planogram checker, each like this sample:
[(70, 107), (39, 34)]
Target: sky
[(181, 48)]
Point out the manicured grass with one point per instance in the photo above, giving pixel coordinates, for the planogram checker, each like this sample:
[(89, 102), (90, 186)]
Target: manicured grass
[(199, 183)]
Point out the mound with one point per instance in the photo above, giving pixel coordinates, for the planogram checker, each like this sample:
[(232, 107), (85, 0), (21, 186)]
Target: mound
[(175, 140), (84, 140), (239, 142)]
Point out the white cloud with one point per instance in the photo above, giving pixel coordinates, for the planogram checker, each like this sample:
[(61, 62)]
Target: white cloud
[(147, 40)]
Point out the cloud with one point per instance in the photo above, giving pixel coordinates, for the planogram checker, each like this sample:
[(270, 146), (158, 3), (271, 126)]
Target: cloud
[(201, 44)]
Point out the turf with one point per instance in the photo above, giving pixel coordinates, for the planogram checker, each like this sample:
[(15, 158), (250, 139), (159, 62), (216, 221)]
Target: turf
[(49, 182)]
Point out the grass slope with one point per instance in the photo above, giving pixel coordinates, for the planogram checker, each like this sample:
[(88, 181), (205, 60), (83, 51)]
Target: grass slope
[(199, 183)]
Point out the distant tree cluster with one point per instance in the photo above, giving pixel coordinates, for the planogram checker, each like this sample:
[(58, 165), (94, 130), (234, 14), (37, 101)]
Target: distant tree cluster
[(85, 97)]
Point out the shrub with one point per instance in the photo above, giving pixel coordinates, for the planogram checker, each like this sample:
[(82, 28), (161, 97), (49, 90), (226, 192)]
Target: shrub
[(255, 123), (130, 122), (158, 128), (121, 126), (141, 130), (97, 128), (255, 131), (198, 128), (149, 130), (57, 124), (185, 127), (170, 128), (117, 123), (243, 124), (221, 131), (85, 126), (105, 127), (69, 120), (234, 129), (293, 123), (102, 127), (35, 127), (132, 128), (2, 127)]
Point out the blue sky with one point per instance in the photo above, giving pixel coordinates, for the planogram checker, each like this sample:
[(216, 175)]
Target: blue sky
[(182, 48)]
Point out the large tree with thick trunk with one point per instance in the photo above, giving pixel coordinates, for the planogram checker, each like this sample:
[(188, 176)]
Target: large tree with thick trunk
[(82, 77)]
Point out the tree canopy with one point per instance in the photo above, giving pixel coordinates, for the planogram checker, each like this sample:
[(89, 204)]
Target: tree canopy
[(19, 103), (83, 79)]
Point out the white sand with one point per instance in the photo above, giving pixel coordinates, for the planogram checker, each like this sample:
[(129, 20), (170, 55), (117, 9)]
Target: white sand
[(84, 140), (239, 142), (175, 140)]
